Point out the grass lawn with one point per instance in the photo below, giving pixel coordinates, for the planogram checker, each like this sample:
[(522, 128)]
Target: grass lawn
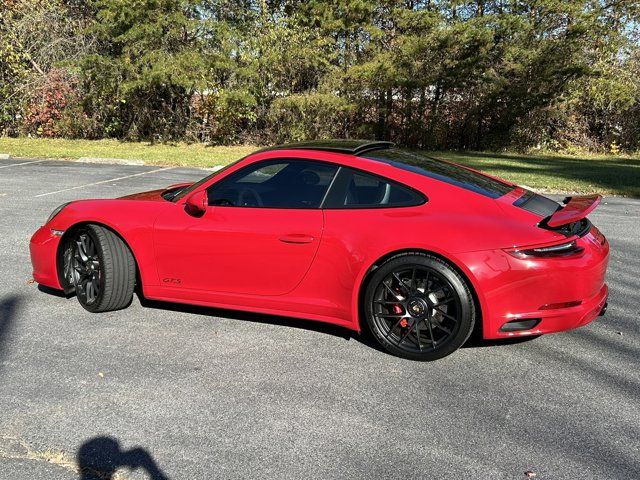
[(557, 173), (545, 173), (183, 154)]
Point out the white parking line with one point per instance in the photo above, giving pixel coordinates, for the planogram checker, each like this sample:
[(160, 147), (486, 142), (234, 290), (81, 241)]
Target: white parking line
[(104, 181), (23, 163)]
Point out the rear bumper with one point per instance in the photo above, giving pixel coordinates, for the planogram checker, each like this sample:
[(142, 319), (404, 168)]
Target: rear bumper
[(560, 319), (557, 294), (44, 248)]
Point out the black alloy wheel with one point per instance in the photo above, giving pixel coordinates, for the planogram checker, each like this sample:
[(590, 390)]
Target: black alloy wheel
[(84, 269), (419, 307), (99, 266)]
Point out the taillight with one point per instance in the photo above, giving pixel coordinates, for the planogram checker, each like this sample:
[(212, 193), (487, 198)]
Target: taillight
[(598, 235), (560, 250)]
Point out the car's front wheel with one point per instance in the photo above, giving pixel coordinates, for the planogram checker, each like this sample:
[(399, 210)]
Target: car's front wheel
[(418, 307), (101, 269)]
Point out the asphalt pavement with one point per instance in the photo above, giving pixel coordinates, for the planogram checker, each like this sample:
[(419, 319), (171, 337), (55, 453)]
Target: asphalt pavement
[(163, 391)]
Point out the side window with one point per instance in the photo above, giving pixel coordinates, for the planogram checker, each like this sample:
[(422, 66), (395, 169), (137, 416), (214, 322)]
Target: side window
[(289, 183), (362, 190), (262, 174)]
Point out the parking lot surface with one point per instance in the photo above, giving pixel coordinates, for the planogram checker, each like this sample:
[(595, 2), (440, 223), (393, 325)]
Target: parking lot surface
[(163, 391)]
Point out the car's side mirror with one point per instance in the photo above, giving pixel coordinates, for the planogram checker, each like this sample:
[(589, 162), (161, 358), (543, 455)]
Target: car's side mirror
[(197, 202)]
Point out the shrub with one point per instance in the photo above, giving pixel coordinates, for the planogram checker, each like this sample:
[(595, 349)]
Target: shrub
[(222, 117), (55, 110), (309, 116)]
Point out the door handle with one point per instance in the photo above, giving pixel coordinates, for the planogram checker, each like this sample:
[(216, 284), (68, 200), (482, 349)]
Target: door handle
[(297, 238)]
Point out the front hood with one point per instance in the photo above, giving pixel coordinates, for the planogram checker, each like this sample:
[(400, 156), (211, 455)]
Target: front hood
[(155, 195)]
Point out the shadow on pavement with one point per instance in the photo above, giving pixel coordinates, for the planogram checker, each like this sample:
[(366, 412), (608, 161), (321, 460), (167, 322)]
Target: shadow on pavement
[(54, 292), (8, 307), (474, 341), (99, 458), (263, 318)]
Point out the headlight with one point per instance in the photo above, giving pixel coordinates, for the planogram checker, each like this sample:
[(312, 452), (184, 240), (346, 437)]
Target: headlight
[(56, 212)]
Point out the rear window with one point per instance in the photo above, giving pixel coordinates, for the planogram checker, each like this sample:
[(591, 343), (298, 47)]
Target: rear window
[(364, 190), (443, 171)]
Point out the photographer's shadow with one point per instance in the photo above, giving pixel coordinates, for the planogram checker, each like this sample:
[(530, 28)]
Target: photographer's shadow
[(99, 458)]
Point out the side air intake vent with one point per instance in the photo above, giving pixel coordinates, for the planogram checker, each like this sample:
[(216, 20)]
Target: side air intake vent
[(538, 204), (519, 325)]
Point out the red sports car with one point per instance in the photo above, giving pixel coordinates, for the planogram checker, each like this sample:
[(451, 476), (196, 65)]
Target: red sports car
[(354, 233)]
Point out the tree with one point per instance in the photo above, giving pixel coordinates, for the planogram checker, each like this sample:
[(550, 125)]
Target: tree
[(35, 37), (424, 73), (146, 67)]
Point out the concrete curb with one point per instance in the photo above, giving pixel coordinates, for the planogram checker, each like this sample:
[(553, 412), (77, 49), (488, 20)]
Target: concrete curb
[(137, 163), (111, 161), (5, 156)]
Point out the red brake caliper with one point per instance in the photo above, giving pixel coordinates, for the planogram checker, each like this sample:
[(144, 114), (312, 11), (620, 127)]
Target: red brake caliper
[(397, 309)]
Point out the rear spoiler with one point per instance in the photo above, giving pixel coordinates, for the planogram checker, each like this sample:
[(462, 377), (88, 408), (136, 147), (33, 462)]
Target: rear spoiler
[(576, 208)]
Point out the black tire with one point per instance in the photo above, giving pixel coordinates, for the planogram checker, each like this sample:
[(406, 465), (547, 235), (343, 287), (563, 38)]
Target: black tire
[(101, 269), (418, 307)]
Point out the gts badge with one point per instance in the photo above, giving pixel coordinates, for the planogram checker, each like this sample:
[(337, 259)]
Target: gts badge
[(172, 281)]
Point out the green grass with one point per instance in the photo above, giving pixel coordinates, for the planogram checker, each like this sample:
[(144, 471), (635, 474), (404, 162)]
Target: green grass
[(558, 173), (611, 175), (178, 154)]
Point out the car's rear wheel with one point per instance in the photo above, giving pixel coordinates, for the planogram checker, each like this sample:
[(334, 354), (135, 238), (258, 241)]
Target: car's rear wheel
[(101, 268), (418, 307)]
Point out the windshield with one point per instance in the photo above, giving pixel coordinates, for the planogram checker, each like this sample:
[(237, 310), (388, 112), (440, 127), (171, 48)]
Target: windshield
[(186, 190), (443, 171)]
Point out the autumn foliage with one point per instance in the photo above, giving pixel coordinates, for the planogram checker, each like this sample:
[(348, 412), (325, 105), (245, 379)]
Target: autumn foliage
[(439, 74)]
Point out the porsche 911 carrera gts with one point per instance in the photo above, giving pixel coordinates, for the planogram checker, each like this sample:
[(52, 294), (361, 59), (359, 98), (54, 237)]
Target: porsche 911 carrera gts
[(354, 233)]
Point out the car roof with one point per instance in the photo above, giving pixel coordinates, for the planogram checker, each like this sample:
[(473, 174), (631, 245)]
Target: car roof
[(415, 162), (351, 147)]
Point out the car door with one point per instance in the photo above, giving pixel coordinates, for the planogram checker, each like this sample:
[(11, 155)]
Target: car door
[(258, 236)]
